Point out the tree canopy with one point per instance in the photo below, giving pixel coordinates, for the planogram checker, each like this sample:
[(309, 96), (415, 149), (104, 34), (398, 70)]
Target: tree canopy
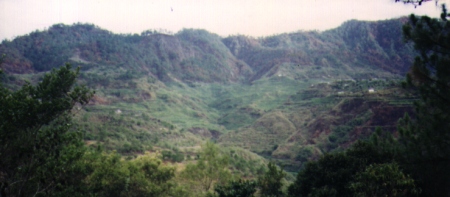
[(270, 183), (426, 138), (43, 154), (37, 144), (414, 163), (240, 188), (211, 168)]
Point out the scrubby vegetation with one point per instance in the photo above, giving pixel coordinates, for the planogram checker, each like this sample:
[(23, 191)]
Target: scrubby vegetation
[(194, 114)]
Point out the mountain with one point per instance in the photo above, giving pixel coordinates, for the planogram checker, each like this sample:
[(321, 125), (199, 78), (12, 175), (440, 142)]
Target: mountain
[(289, 97), (196, 52), (355, 48)]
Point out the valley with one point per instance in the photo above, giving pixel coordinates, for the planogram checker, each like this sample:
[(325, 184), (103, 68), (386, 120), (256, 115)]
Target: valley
[(287, 98)]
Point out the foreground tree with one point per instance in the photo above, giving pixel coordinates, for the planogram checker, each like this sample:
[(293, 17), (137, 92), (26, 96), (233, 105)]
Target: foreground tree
[(110, 175), (425, 140), (37, 144), (383, 180), (211, 168), (270, 183), (333, 174), (423, 147), (240, 188)]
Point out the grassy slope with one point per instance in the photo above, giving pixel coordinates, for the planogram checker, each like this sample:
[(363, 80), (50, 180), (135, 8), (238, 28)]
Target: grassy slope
[(269, 96)]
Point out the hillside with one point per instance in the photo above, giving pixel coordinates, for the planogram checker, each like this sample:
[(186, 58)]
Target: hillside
[(288, 97), (356, 48)]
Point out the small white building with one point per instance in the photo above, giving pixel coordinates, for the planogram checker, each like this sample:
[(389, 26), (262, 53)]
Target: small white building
[(371, 90)]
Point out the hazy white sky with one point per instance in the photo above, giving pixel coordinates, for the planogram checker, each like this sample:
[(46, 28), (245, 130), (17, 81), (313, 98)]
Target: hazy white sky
[(224, 17)]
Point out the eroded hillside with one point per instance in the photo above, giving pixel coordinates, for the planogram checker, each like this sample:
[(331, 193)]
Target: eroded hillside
[(288, 97)]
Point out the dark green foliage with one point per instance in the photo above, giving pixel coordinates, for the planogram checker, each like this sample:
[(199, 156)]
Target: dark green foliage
[(354, 44), (270, 183), (328, 174), (123, 61), (422, 149), (426, 139), (243, 165), (240, 188), (99, 174), (42, 155), (109, 175), (2, 77), (91, 47), (341, 133), (383, 180), (37, 143), (174, 156), (211, 168), (304, 154), (197, 55), (332, 174)]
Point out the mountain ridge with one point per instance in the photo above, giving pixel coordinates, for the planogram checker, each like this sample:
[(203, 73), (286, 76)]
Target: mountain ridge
[(289, 97), (206, 57)]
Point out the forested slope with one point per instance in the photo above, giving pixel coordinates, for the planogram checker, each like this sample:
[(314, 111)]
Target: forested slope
[(354, 49), (290, 97)]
